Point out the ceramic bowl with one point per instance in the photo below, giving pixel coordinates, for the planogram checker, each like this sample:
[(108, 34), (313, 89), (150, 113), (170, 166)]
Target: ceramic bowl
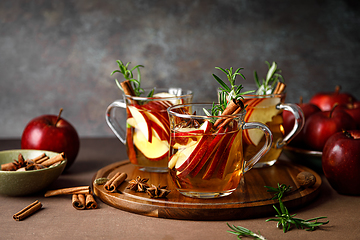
[(21, 183), (308, 158)]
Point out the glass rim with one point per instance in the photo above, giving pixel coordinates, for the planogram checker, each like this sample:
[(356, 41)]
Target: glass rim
[(187, 93), (245, 96), (182, 115)]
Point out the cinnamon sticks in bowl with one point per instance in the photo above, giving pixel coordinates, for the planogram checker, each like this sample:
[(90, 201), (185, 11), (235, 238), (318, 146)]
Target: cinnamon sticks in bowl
[(25, 182)]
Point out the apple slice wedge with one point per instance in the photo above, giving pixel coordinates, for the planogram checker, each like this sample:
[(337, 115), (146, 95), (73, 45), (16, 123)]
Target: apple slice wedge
[(188, 156), (260, 110), (154, 150), (231, 154), (142, 121), (211, 149), (218, 156)]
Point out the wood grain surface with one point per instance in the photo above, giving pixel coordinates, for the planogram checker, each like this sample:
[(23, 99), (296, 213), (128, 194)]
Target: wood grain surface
[(250, 200)]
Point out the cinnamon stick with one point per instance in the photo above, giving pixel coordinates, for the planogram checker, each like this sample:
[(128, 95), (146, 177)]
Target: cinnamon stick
[(127, 88), (280, 87), (78, 201), (232, 107), (58, 158), (90, 202), (38, 157), (67, 191), (115, 181), (9, 167), (41, 160), (27, 211)]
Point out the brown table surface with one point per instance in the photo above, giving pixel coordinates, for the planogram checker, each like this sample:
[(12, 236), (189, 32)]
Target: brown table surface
[(59, 220)]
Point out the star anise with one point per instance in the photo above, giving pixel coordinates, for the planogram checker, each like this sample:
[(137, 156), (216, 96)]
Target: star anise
[(20, 162), (139, 184), (157, 192)]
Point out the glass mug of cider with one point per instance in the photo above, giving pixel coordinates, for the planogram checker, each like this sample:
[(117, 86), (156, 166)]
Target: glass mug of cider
[(268, 109), (145, 128), (206, 152)]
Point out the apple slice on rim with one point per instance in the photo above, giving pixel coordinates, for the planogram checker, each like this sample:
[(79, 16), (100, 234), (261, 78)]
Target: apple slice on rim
[(154, 150), (259, 110), (168, 95), (142, 121)]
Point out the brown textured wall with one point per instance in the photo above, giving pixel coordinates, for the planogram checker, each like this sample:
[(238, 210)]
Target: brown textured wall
[(57, 53)]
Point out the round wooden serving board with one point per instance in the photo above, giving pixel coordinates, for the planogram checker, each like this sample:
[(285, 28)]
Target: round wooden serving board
[(250, 200)]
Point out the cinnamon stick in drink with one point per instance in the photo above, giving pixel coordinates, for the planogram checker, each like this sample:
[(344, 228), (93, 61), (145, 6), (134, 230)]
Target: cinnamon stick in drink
[(115, 181), (90, 201), (67, 191), (27, 211), (232, 107), (58, 158), (78, 201)]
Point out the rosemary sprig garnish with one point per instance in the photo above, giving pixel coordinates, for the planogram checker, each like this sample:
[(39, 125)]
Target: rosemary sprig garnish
[(273, 76), (128, 75), (284, 219), (241, 231), (227, 93)]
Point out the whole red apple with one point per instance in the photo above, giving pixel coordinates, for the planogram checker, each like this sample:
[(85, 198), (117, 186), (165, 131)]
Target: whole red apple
[(289, 121), (326, 100), (322, 125), (352, 109), (341, 162), (52, 133)]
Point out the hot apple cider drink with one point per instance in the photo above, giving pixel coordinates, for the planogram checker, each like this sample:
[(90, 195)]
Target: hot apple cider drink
[(206, 146), (147, 131), (266, 105)]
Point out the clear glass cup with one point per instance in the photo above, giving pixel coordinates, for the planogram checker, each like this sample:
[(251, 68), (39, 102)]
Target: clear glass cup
[(268, 109), (206, 159), (144, 128)]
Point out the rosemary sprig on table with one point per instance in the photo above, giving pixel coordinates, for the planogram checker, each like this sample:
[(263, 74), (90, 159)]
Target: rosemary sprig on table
[(227, 93), (273, 76), (241, 231), (283, 217), (128, 75)]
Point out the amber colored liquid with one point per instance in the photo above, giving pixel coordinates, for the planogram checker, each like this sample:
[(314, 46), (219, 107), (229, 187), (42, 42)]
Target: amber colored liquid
[(223, 178), (137, 157), (278, 133)]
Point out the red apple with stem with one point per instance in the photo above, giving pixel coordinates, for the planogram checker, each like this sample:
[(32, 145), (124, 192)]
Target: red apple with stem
[(341, 162), (289, 121), (52, 133), (322, 125), (327, 100)]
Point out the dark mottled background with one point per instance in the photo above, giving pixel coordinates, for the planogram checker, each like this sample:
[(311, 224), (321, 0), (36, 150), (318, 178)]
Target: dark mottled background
[(59, 54)]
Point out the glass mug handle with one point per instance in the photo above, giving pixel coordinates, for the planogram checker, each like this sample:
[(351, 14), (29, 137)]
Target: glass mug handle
[(114, 124), (299, 122), (268, 141)]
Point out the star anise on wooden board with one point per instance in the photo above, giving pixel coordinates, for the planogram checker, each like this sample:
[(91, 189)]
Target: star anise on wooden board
[(139, 184), (157, 192)]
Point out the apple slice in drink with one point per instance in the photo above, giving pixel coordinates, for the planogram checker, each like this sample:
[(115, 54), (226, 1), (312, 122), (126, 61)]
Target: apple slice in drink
[(142, 121), (231, 155), (154, 150), (259, 110), (159, 124), (187, 157), (218, 156), (211, 149)]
